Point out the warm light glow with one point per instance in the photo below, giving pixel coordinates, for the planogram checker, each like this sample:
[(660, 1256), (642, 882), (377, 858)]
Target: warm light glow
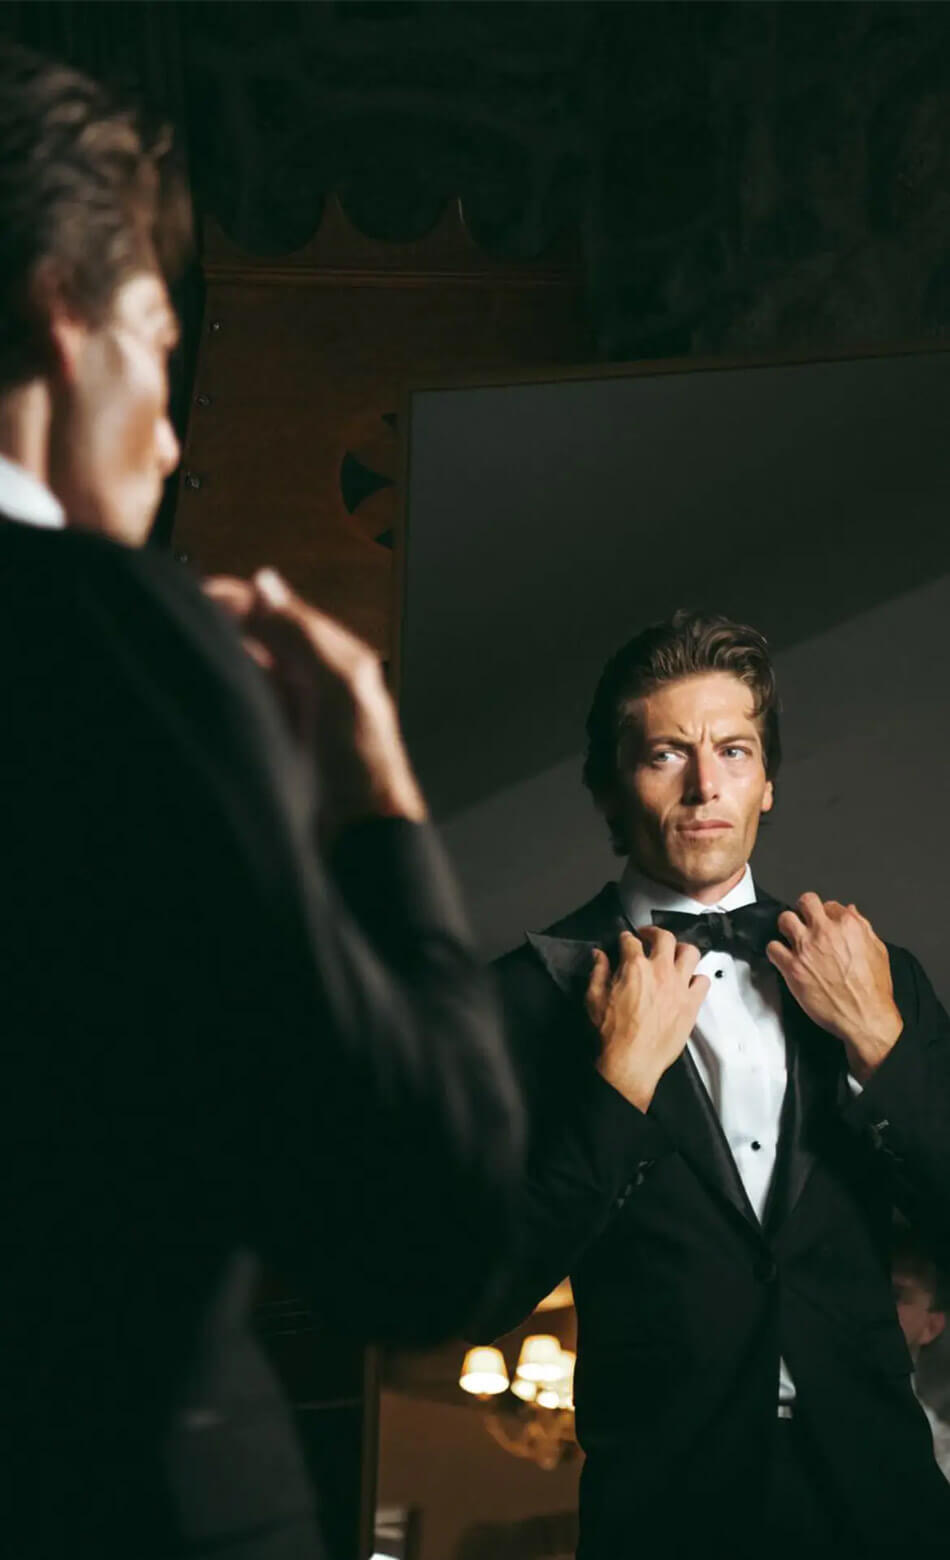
[(540, 1359), (484, 1372), (548, 1399), (559, 1299), (526, 1390), (565, 1387)]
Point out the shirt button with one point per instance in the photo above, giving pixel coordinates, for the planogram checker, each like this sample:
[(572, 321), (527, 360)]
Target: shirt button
[(719, 974), (756, 1144)]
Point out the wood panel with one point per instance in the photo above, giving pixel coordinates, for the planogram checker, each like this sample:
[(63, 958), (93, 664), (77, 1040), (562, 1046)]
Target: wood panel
[(300, 374)]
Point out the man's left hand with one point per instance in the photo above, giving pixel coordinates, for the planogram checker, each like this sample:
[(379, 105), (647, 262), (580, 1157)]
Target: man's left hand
[(838, 971)]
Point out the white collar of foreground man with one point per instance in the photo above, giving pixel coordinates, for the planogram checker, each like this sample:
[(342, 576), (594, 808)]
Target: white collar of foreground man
[(25, 498), (640, 896)]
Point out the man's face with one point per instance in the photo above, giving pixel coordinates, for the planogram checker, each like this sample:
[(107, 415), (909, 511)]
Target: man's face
[(919, 1323), (111, 442), (692, 785)]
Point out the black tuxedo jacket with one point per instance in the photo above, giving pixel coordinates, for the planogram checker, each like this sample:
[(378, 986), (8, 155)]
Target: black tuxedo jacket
[(685, 1302), (213, 1047)]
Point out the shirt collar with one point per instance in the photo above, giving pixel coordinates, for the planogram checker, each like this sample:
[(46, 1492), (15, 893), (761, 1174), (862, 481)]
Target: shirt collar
[(25, 498), (640, 896)]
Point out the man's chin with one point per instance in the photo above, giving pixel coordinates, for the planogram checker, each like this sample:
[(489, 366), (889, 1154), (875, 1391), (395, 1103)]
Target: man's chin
[(705, 867)]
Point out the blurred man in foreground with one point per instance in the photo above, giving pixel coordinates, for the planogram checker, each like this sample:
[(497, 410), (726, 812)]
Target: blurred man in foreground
[(215, 1044)]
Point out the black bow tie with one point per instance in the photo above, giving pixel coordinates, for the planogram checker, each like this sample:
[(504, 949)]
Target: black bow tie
[(744, 933)]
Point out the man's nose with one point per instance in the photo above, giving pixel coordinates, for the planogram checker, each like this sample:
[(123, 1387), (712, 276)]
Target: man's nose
[(702, 779), (169, 450)]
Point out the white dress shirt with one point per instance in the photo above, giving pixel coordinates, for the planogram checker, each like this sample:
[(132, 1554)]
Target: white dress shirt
[(24, 497), (738, 1043), (941, 1434)]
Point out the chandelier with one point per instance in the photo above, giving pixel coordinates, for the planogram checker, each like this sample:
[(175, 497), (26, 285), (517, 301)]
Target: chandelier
[(532, 1414)]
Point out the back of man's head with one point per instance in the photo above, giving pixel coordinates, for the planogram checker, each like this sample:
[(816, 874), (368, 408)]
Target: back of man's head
[(85, 189)]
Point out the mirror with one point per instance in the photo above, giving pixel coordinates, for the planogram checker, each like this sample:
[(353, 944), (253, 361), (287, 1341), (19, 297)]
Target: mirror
[(546, 522)]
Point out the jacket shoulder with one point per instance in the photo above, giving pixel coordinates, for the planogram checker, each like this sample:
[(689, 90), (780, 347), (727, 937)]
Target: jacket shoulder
[(594, 921)]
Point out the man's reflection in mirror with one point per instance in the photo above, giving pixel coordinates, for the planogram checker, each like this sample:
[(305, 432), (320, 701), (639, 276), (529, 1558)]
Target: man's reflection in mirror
[(728, 1095)]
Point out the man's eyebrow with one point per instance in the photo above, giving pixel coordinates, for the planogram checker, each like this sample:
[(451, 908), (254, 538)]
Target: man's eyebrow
[(682, 742)]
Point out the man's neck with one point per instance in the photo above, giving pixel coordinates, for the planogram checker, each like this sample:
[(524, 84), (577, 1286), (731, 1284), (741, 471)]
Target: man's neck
[(25, 428), (701, 893)]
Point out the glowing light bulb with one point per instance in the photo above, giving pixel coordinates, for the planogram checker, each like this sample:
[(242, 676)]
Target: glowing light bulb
[(484, 1373), (540, 1359)]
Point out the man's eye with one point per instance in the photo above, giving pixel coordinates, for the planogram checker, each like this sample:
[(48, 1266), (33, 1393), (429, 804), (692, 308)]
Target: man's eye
[(741, 751)]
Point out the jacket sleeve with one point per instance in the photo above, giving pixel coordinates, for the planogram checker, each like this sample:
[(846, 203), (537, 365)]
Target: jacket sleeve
[(904, 1109), (586, 1143), (343, 1078)]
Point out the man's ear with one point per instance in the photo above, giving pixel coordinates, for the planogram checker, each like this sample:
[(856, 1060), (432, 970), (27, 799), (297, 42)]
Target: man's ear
[(936, 1322), (59, 330), (768, 797)]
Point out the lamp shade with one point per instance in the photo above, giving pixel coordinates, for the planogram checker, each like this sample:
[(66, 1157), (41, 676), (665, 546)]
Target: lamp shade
[(484, 1372), (565, 1386), (526, 1390), (540, 1359)]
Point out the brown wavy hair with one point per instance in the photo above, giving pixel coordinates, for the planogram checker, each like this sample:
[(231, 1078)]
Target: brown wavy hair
[(86, 184)]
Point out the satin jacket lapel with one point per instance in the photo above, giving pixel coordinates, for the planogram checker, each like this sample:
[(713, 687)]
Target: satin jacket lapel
[(684, 1109), (568, 960), (681, 1102)]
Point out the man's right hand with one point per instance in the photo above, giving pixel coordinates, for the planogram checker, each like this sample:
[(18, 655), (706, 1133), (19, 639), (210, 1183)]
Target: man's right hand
[(331, 687), (644, 1010)]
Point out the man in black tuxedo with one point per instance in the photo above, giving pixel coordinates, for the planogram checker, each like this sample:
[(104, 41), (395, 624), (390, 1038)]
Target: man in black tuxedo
[(728, 1096), (217, 1043)]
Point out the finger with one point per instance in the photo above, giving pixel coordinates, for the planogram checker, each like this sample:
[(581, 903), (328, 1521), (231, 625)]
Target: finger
[(783, 958), (596, 995), (810, 908), (630, 951), (791, 927), (833, 909), (274, 596), (314, 649), (659, 943), (686, 957), (630, 946), (234, 596), (214, 584), (258, 653), (600, 971)]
